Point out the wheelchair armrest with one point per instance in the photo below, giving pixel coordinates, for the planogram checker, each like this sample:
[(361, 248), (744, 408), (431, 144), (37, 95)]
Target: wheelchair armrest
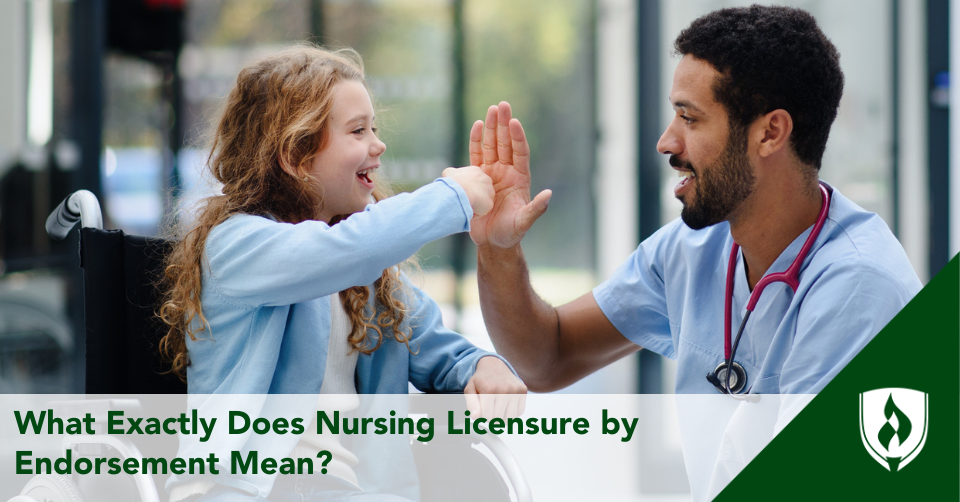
[(97, 408), (496, 446), (126, 449), (80, 206), (91, 444), (509, 464)]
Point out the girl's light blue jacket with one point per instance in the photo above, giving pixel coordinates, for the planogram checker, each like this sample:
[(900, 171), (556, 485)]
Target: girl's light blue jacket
[(265, 295)]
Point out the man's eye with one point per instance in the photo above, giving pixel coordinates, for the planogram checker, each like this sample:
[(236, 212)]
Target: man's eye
[(687, 119)]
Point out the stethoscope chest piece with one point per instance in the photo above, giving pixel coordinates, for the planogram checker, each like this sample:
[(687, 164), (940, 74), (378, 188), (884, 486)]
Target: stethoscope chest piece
[(738, 378)]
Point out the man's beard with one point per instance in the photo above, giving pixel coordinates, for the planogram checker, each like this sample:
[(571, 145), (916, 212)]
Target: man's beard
[(721, 187)]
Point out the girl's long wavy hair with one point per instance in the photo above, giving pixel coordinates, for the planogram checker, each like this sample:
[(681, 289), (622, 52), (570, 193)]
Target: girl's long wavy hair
[(277, 112)]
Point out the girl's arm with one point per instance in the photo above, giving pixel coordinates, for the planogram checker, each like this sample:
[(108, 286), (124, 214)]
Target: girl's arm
[(444, 361), (255, 261)]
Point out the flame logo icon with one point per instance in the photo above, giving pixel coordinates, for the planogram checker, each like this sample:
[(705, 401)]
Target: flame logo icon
[(887, 431), (901, 431)]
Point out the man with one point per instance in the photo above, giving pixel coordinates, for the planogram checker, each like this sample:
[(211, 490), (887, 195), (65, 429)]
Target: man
[(754, 96)]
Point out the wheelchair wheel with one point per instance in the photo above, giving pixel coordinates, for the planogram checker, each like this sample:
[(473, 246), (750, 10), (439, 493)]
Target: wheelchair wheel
[(52, 488)]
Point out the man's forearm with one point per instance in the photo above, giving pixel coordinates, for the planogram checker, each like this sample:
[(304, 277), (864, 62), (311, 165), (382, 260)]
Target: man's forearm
[(523, 327)]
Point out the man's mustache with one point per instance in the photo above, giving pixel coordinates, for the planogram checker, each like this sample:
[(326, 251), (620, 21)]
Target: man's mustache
[(682, 164)]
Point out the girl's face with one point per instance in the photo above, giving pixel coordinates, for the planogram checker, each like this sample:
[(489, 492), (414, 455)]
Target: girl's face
[(352, 152)]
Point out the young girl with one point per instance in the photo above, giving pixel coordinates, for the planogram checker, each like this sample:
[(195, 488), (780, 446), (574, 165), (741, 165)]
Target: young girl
[(288, 282)]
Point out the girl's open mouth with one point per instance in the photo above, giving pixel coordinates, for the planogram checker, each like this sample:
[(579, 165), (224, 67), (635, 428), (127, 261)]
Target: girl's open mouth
[(364, 177)]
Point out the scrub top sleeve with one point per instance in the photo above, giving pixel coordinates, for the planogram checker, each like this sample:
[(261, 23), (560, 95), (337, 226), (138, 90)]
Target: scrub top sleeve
[(844, 309), (633, 300)]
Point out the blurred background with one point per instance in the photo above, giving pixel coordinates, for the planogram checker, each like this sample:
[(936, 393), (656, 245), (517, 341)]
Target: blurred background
[(114, 96)]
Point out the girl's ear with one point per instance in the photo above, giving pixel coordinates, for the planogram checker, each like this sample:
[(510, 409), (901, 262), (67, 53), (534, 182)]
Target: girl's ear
[(287, 166)]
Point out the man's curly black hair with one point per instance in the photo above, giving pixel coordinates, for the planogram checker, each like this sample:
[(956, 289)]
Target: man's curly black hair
[(771, 58)]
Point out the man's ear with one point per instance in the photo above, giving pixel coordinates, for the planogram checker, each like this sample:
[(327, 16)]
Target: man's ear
[(774, 131)]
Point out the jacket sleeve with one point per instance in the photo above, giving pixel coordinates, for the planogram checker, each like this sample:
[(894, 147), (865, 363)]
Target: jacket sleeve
[(254, 261), (442, 360)]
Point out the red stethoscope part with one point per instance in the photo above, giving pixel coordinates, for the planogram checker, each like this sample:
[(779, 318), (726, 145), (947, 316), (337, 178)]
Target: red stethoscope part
[(790, 277)]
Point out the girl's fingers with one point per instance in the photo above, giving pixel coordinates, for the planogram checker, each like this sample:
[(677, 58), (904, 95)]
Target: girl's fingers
[(470, 395), (500, 409)]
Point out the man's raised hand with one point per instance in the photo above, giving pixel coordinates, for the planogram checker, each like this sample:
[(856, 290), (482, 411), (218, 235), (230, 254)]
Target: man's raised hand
[(499, 147)]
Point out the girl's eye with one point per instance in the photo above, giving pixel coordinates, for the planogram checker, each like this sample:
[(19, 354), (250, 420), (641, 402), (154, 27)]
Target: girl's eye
[(359, 131), (374, 130)]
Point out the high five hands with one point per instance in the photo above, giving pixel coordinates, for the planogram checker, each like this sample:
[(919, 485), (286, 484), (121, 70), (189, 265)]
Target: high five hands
[(499, 147)]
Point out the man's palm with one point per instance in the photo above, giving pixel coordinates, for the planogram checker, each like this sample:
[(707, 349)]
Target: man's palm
[(499, 146)]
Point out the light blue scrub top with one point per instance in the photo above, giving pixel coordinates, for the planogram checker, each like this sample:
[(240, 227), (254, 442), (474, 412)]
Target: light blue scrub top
[(668, 297)]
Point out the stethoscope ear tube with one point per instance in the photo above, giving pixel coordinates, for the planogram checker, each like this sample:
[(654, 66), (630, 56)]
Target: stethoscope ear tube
[(742, 380), (734, 381)]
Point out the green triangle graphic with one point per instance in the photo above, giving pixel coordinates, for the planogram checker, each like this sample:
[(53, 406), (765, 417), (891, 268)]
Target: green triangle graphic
[(820, 455)]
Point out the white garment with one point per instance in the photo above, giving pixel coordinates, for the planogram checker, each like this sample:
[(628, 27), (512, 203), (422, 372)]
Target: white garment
[(726, 434), (338, 392)]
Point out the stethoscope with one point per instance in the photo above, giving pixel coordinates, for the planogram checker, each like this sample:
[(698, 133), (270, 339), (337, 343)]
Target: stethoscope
[(732, 381)]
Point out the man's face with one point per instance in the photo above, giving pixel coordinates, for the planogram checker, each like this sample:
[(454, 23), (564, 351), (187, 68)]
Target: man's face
[(711, 158)]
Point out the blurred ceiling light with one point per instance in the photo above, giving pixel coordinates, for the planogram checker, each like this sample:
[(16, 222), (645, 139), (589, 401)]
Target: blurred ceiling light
[(68, 155), (40, 83)]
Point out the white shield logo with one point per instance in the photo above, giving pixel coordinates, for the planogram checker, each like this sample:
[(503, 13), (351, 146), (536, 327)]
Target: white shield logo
[(893, 425)]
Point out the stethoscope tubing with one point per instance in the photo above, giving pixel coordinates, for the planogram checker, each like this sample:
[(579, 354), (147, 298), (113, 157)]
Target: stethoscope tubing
[(790, 277)]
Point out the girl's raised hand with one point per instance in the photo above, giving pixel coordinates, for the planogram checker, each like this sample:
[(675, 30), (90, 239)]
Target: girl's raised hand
[(477, 185)]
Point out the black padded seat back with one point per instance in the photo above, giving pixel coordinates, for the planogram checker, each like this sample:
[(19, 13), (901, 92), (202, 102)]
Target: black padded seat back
[(120, 274)]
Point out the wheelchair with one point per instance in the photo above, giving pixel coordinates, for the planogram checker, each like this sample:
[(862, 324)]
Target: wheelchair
[(120, 273)]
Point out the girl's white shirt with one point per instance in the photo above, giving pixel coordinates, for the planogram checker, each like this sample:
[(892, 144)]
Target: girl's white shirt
[(338, 392)]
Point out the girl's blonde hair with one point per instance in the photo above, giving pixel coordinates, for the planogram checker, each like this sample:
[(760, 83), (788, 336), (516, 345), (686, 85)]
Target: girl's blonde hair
[(277, 113)]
